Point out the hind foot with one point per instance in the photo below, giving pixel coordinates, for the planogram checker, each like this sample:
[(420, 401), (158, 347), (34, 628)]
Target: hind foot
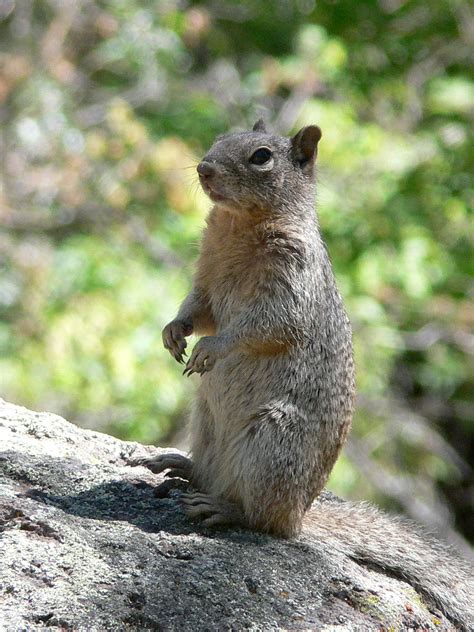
[(212, 511), (178, 465)]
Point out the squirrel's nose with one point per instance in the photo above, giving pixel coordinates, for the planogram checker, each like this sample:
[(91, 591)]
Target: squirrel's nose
[(205, 169)]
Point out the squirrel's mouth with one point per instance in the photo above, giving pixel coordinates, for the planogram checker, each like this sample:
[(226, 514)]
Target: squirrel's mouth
[(211, 192)]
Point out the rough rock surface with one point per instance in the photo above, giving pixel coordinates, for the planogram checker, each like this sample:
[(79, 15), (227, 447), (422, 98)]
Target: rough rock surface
[(85, 545)]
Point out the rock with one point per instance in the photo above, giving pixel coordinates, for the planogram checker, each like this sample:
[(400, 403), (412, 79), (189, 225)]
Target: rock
[(85, 545)]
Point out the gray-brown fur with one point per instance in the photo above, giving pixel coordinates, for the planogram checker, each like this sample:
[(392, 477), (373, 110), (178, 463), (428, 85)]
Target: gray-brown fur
[(276, 392)]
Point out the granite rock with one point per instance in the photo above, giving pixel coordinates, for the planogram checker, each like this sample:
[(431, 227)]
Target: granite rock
[(86, 545)]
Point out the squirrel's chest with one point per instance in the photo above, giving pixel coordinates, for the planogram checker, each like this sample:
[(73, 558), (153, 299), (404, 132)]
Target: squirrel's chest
[(230, 274)]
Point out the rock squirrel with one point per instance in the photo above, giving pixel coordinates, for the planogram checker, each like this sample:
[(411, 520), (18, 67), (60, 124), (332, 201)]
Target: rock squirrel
[(276, 393)]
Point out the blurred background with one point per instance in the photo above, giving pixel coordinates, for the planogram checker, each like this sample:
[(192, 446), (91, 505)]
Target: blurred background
[(106, 107)]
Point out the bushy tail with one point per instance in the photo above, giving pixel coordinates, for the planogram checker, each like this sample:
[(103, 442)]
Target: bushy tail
[(365, 534)]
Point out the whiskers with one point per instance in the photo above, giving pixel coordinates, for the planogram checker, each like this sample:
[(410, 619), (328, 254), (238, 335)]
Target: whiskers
[(186, 167), (195, 188)]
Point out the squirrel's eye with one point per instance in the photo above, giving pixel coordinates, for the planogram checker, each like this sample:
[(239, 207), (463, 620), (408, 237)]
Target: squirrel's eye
[(261, 156)]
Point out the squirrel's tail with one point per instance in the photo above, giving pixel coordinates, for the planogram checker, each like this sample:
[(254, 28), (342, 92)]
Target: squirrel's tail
[(365, 534)]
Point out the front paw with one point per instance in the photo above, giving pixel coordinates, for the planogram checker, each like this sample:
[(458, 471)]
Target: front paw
[(205, 354), (174, 338)]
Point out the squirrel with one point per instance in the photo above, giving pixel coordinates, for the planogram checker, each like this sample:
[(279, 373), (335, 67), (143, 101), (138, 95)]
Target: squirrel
[(277, 387)]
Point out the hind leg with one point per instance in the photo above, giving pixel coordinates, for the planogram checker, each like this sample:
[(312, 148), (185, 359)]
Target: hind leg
[(212, 509), (269, 476), (202, 444), (279, 467)]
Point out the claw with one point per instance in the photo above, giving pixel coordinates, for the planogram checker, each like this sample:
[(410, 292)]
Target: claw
[(173, 339), (177, 472)]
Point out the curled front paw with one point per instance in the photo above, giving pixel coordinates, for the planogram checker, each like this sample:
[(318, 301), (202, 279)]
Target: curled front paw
[(205, 354), (174, 338)]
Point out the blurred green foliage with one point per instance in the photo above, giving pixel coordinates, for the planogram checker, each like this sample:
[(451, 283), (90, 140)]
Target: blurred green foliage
[(106, 107)]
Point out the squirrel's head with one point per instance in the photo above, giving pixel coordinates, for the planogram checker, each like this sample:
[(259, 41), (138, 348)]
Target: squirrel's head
[(257, 170)]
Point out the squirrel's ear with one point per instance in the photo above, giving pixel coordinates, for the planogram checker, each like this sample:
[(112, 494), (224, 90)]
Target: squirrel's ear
[(304, 146), (259, 126)]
